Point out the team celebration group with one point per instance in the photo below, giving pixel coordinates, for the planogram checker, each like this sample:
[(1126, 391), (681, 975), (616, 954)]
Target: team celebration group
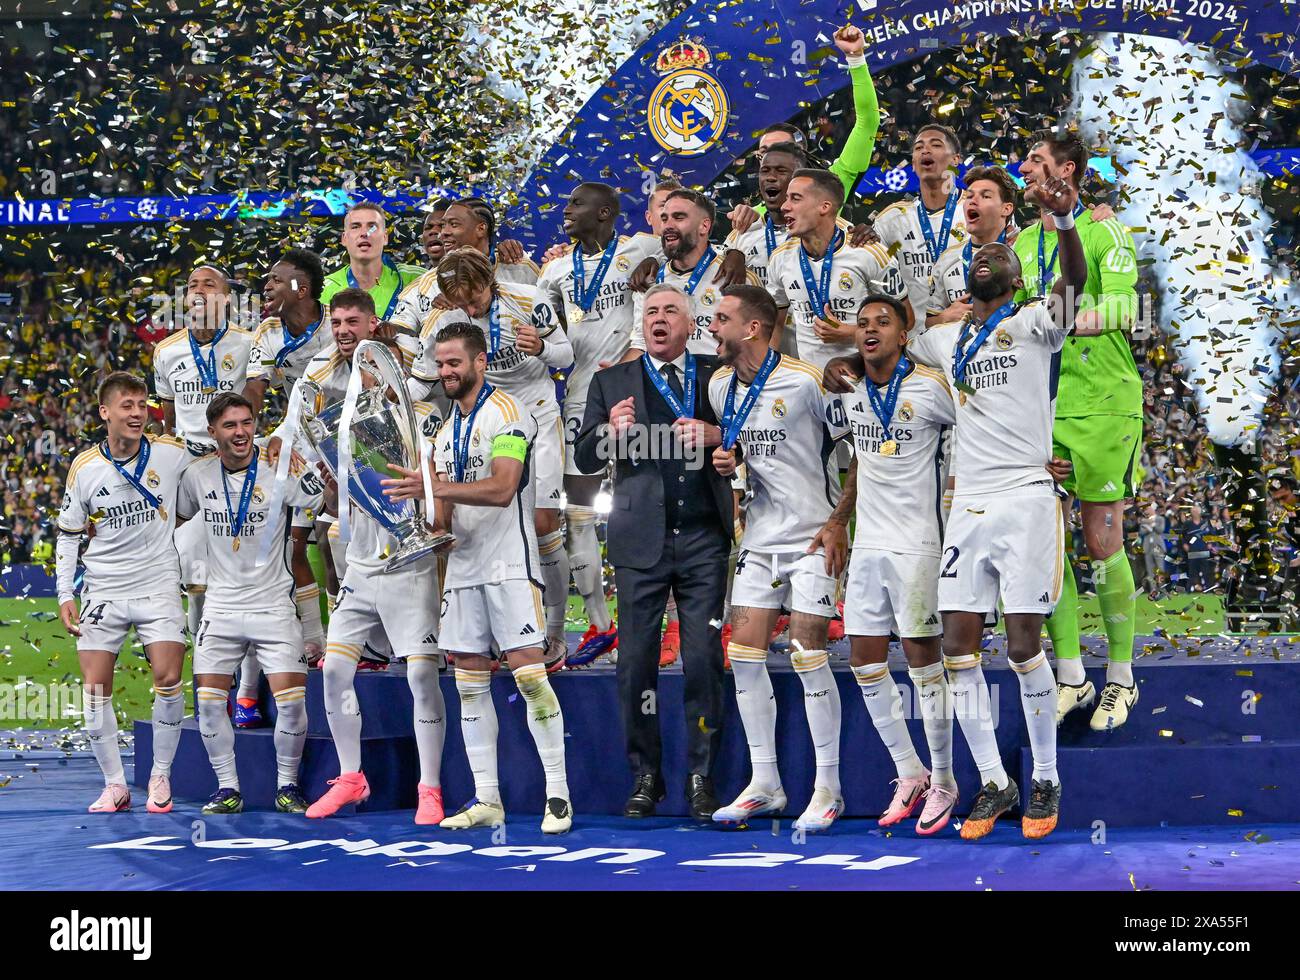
[(870, 430)]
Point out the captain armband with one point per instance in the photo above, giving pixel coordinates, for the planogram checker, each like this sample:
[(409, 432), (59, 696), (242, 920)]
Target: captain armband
[(512, 446)]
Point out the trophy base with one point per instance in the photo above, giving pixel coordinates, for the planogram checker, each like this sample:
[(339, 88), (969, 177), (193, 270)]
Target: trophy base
[(416, 547)]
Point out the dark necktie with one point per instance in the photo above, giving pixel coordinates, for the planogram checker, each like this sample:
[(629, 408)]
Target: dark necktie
[(669, 371)]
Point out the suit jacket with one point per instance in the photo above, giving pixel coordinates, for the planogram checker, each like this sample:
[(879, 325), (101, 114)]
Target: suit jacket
[(637, 521)]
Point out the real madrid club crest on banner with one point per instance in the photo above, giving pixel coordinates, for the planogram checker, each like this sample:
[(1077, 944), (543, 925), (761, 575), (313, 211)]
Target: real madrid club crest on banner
[(687, 110)]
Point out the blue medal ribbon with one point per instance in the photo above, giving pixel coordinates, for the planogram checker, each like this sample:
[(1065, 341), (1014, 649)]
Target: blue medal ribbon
[(819, 295), (696, 274), (883, 405), (769, 233), (733, 419), (141, 462), (968, 253), (460, 447), (292, 343), (237, 518), (494, 328), (664, 388), (933, 246), (586, 297), (207, 369), (962, 357), (1045, 265), (392, 300)]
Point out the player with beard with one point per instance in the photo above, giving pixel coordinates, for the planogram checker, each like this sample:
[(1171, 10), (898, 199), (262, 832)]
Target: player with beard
[(1004, 538), (250, 596), (295, 329), (775, 415), (191, 367), (693, 265), (125, 488), (492, 598), (588, 285), (820, 279), (526, 342), (1098, 428), (365, 236)]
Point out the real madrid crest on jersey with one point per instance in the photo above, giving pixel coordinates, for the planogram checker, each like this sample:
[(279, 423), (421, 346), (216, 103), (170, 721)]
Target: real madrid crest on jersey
[(688, 108), (259, 497), (152, 480), (1002, 339), (905, 412), (846, 282), (709, 298), (778, 408), (622, 263), (228, 362)]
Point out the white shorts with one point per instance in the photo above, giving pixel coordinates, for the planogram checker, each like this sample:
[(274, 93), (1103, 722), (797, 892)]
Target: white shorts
[(573, 415), (792, 580), (493, 618), (548, 463), (105, 622), (401, 605), (1006, 546), (889, 592), (192, 546), (225, 635)]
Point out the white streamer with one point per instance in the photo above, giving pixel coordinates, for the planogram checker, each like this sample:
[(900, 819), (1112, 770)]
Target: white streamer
[(288, 436)]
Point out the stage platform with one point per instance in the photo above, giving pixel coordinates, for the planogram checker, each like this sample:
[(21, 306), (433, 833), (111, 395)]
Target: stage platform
[(1213, 740)]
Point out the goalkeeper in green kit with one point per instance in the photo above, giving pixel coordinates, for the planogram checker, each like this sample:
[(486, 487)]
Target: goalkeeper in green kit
[(1098, 429)]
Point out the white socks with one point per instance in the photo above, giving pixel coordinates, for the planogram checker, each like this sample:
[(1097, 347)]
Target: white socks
[(1038, 699), (757, 707), (101, 725), (478, 726), (1120, 672), (546, 723), (290, 733), (307, 599), (430, 716), (970, 703), (1069, 670), (168, 713), (884, 703), (250, 672), (193, 614), (342, 710), (584, 564), (555, 578), (935, 698), (821, 700), (218, 735)]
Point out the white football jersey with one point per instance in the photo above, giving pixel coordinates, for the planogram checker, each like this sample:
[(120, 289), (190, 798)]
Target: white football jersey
[(272, 362), (856, 273), (603, 332), (900, 496), (132, 553), (493, 544), (704, 303), (947, 280), (1004, 429), (758, 246), (899, 228), (509, 369), (234, 580), (788, 441), (416, 302), (176, 377)]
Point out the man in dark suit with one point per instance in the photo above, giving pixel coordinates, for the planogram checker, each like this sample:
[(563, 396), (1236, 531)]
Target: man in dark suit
[(670, 529)]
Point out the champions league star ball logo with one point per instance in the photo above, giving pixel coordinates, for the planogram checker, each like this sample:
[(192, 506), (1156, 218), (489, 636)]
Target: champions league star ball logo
[(687, 111), (147, 209), (896, 179)]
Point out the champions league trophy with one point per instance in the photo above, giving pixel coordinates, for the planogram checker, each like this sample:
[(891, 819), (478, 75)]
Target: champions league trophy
[(383, 433)]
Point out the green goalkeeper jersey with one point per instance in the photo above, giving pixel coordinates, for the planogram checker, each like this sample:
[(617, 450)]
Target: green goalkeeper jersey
[(392, 282), (1098, 374)]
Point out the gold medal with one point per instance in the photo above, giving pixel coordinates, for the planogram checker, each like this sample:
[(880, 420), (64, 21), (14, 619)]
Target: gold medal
[(162, 512), (234, 544), (889, 448)]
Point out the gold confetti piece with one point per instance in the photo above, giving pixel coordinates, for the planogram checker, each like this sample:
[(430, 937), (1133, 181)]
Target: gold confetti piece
[(1236, 813)]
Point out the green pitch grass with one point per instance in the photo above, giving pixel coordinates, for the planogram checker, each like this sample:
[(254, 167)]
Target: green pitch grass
[(37, 653)]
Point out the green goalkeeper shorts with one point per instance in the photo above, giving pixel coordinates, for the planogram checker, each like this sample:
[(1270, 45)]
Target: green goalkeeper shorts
[(1106, 451)]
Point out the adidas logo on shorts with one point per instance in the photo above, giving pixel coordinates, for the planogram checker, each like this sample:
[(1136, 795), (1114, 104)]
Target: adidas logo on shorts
[(1044, 598), (1109, 487), (429, 640), (932, 621), (825, 601), (527, 630)]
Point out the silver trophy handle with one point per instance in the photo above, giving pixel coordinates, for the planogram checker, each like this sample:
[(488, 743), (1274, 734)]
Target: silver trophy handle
[(390, 373)]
